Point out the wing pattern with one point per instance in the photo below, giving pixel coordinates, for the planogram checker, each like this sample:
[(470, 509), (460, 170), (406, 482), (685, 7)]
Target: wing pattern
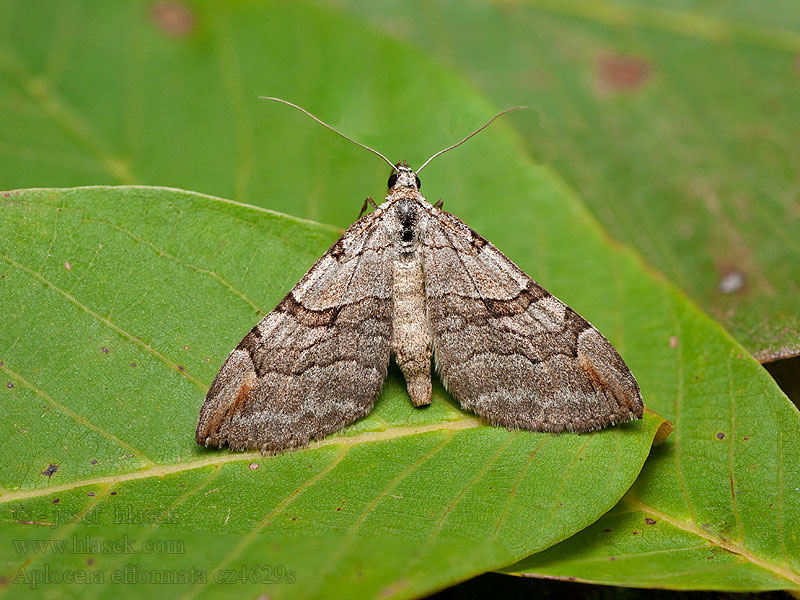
[(317, 362), (509, 350)]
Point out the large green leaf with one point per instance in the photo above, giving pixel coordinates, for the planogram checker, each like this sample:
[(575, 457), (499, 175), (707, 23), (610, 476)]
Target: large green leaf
[(119, 306), (676, 123), (94, 93)]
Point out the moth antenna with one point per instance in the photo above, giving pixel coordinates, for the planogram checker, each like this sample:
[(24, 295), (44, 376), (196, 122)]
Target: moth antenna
[(485, 125), (323, 123)]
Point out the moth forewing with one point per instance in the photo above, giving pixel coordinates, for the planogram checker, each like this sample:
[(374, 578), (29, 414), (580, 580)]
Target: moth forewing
[(317, 361), (509, 350)]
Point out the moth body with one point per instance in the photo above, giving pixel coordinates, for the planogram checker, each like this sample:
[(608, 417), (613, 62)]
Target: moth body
[(415, 282), (411, 336)]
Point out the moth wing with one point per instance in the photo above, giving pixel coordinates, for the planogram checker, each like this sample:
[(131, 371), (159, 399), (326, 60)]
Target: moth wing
[(317, 362), (509, 350)]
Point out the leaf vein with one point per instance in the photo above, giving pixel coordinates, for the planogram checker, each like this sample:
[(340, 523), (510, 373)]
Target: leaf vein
[(105, 321), (76, 417), (164, 470), (161, 252), (737, 549)]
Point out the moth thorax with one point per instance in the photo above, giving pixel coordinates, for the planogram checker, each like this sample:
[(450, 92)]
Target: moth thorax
[(408, 217)]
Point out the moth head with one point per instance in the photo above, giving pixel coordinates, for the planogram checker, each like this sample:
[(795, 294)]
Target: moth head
[(404, 176)]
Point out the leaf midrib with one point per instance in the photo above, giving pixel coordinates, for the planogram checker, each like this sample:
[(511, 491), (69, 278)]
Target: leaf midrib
[(129, 336), (227, 457)]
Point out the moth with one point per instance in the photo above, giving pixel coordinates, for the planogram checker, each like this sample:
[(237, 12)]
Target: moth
[(412, 281)]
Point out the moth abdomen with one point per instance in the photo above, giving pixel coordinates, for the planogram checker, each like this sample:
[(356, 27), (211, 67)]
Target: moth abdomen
[(411, 339)]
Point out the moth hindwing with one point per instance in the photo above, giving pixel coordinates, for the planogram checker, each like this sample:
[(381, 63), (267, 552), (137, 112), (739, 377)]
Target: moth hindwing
[(415, 282)]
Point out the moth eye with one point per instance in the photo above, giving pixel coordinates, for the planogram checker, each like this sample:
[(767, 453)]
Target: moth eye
[(392, 180), (419, 183)]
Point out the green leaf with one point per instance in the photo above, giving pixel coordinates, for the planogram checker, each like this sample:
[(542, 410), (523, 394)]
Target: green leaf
[(642, 107), (120, 305), (95, 93)]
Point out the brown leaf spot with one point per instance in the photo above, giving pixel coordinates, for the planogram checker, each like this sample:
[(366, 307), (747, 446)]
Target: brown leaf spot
[(181, 368), (650, 521), (57, 500), (673, 341), (50, 471), (253, 466), (94, 462), (104, 349), (745, 438), (113, 493), (617, 73), (9, 385), (720, 436), (606, 531), (175, 19), (90, 494), (612, 558), (67, 266), (634, 533), (133, 365)]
